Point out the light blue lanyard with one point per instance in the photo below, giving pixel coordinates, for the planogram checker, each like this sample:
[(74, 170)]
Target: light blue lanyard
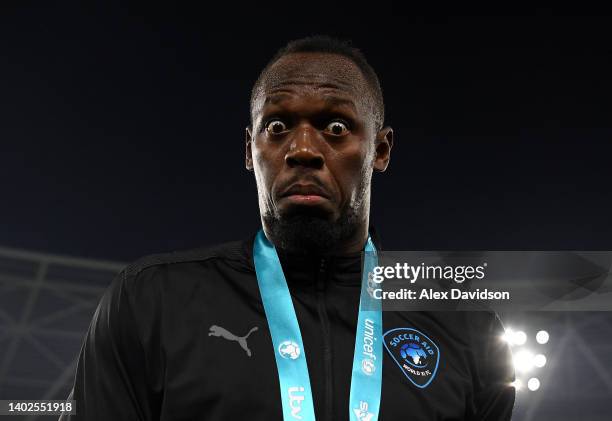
[(296, 395)]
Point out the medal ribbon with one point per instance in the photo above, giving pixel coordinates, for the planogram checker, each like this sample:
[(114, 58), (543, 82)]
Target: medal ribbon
[(296, 394)]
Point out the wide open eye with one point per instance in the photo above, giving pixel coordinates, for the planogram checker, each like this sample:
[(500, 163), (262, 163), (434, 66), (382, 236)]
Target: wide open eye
[(276, 126), (337, 128)]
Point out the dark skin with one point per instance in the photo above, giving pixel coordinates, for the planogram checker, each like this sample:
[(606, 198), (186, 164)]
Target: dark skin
[(314, 142)]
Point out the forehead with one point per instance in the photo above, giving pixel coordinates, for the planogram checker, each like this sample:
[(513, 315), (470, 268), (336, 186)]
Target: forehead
[(314, 74)]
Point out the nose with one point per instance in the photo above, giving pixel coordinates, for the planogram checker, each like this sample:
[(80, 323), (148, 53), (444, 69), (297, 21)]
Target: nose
[(303, 149)]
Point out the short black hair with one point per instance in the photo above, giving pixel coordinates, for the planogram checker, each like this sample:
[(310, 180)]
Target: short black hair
[(327, 44)]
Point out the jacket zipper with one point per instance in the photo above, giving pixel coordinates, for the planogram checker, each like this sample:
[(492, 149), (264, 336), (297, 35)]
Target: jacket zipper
[(327, 351)]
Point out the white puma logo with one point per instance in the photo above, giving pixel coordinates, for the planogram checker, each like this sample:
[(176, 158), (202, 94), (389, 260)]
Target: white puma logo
[(225, 334)]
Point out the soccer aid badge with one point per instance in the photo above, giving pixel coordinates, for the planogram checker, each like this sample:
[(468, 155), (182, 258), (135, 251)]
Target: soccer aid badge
[(415, 354)]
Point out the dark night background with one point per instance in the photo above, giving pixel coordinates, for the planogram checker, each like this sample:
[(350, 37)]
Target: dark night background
[(122, 134), (122, 127)]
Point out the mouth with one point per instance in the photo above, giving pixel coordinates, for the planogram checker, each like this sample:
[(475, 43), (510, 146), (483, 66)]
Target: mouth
[(305, 194)]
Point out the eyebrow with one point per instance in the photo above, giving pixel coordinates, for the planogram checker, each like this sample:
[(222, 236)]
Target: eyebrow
[(335, 101)]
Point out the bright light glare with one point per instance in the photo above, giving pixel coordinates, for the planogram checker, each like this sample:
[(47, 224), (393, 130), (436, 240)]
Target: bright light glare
[(523, 361), (517, 384), (539, 360), (533, 384), (508, 336), (520, 337), (514, 338), (542, 337)]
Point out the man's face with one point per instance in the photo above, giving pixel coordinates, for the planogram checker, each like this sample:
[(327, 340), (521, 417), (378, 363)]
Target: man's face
[(313, 143)]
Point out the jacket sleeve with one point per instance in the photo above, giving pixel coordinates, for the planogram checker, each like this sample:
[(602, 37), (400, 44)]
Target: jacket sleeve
[(110, 381), (495, 396)]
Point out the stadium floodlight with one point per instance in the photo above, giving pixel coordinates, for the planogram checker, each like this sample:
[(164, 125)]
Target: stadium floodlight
[(539, 360), (520, 337), (533, 384), (542, 337), (512, 337), (523, 361)]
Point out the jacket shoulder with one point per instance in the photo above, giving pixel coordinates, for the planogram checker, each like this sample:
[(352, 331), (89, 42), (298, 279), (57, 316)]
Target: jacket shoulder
[(229, 251)]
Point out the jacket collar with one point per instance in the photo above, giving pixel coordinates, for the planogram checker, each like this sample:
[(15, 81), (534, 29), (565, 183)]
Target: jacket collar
[(304, 270)]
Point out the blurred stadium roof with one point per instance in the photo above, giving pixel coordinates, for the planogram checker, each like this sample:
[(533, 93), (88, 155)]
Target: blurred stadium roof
[(46, 304)]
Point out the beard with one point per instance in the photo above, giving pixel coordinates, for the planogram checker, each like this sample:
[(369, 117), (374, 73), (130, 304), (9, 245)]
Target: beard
[(306, 231)]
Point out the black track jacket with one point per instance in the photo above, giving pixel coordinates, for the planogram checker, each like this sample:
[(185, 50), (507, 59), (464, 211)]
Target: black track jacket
[(169, 341)]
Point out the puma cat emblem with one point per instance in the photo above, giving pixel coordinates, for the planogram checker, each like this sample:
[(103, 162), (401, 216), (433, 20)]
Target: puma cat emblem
[(225, 334)]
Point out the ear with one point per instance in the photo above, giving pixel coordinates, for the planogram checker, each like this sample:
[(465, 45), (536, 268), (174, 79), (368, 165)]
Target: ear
[(383, 145), (248, 152)]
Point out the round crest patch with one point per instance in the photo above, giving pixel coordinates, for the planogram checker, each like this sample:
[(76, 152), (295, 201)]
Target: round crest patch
[(415, 354)]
